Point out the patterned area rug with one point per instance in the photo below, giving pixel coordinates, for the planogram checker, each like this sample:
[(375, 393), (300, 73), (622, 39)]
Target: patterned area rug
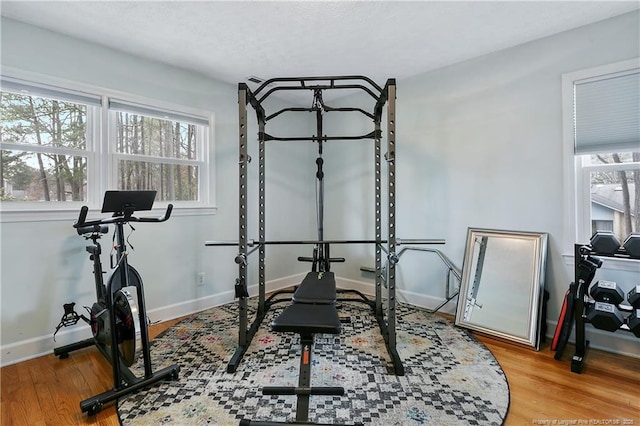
[(450, 378)]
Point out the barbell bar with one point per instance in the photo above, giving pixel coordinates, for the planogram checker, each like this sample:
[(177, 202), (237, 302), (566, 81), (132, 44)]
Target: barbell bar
[(251, 243)]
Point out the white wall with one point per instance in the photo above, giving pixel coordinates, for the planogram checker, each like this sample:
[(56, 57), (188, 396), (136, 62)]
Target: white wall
[(479, 144), (44, 263)]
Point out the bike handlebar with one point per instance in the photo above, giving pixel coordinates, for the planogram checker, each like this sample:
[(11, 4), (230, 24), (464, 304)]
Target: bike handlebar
[(119, 219)]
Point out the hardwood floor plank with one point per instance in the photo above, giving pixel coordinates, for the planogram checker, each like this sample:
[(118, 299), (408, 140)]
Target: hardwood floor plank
[(54, 399), (23, 400)]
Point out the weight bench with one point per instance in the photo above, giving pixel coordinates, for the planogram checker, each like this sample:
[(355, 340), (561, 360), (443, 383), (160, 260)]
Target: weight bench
[(317, 288), (313, 311)]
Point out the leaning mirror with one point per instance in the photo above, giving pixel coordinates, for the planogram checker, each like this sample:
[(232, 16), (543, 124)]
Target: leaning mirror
[(502, 284)]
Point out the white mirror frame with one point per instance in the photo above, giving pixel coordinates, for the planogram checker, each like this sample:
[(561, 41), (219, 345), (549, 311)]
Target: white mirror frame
[(534, 277)]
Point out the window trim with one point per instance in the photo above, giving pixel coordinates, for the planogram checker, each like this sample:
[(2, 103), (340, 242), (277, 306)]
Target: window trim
[(574, 173), (101, 154)]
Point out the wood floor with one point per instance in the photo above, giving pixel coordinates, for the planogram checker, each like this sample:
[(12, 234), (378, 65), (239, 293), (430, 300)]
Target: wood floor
[(47, 390)]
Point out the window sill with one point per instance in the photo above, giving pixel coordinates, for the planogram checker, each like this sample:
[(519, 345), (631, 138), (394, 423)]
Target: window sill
[(613, 263), (71, 214)]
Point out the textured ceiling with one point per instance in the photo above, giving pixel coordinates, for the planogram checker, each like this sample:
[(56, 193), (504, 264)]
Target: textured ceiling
[(232, 40)]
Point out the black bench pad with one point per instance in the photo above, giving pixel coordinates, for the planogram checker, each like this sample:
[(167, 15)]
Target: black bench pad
[(316, 287), (308, 319)]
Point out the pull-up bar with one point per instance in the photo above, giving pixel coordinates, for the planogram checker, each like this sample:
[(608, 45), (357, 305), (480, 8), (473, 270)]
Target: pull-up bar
[(332, 79), (332, 84), (325, 109)]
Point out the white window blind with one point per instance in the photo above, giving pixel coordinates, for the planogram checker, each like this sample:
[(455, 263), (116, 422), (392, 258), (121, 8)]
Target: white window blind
[(607, 113)]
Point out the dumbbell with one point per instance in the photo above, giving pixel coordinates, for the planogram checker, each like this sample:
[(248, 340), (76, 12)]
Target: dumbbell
[(633, 297), (604, 313), (607, 291), (605, 316), (632, 244), (633, 320), (605, 242)]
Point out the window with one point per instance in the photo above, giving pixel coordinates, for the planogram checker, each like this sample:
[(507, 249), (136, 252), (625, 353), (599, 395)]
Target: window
[(45, 143), (161, 150), (613, 191), (602, 148), (61, 146)]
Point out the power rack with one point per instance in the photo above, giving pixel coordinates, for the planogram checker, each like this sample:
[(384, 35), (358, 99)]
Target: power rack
[(382, 97)]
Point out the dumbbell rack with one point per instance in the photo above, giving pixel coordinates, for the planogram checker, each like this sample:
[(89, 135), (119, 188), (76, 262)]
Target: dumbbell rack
[(577, 292)]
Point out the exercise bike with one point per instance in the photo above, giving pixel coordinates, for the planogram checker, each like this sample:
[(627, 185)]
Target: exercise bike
[(118, 318)]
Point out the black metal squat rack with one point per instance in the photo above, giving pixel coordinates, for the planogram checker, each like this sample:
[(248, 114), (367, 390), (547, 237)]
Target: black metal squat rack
[(386, 274)]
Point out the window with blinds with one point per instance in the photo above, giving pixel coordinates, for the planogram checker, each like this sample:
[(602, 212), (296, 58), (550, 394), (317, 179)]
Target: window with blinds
[(607, 113), (606, 124)]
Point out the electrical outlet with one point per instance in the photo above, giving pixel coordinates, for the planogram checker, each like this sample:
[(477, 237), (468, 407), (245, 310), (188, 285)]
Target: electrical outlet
[(200, 279)]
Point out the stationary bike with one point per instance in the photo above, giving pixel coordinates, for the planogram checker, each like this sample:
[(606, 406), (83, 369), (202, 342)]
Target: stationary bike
[(118, 318)]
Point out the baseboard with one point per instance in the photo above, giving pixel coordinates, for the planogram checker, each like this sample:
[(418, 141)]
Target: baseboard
[(182, 309), (24, 350)]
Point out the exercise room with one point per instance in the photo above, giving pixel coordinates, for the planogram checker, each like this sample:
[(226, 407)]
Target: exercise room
[(320, 212)]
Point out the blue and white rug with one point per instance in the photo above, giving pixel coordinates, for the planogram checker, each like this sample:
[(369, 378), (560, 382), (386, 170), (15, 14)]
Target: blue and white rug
[(450, 378)]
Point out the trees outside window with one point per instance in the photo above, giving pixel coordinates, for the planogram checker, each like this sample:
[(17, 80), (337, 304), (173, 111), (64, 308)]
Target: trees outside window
[(44, 143), (157, 154), (614, 192)]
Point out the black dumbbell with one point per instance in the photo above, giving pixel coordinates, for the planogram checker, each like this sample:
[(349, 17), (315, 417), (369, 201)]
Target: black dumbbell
[(607, 291), (633, 322), (605, 242), (633, 297), (605, 316), (632, 244)]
